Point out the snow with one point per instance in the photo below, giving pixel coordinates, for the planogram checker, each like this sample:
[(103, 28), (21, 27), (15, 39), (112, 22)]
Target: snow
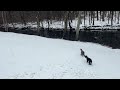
[(35, 57)]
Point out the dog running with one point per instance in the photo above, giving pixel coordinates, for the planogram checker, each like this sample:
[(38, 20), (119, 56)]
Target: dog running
[(82, 52), (89, 60)]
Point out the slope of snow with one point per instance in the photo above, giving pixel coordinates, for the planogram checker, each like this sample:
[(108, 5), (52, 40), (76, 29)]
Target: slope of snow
[(29, 57)]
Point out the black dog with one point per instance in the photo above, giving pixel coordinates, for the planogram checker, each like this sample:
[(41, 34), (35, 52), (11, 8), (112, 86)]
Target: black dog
[(89, 60)]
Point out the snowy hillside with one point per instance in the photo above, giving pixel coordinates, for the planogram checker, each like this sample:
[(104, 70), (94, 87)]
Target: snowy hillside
[(29, 57)]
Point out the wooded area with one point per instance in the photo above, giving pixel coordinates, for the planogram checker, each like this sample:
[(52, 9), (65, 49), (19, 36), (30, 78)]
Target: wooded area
[(7, 17)]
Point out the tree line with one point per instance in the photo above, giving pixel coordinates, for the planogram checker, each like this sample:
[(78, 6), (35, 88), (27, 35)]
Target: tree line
[(66, 16), (29, 16)]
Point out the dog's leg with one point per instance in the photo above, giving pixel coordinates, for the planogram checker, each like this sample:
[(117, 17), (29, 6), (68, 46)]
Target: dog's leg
[(87, 61), (90, 63)]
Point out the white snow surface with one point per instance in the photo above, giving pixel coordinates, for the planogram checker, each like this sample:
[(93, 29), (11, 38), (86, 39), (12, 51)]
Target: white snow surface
[(35, 57)]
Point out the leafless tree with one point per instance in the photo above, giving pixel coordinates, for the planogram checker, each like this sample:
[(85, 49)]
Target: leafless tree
[(78, 25), (4, 17)]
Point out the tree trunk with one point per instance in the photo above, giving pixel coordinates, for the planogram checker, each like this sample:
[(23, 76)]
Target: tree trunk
[(108, 16), (11, 18), (66, 23), (38, 23), (86, 13), (84, 18), (111, 18), (22, 17), (115, 16), (100, 15), (70, 32), (103, 15), (78, 25), (118, 17), (42, 24), (97, 16), (89, 18), (5, 20), (93, 14), (48, 24)]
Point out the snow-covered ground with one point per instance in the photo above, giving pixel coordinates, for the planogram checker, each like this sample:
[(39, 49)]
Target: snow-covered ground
[(35, 57)]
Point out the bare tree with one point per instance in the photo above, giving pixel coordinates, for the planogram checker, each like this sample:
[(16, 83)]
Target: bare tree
[(100, 15), (78, 25), (66, 22), (89, 18), (84, 17), (38, 21), (5, 20), (97, 15), (93, 16), (11, 18), (103, 15), (21, 13), (118, 17), (112, 12), (115, 15), (108, 16), (91, 13), (49, 18)]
